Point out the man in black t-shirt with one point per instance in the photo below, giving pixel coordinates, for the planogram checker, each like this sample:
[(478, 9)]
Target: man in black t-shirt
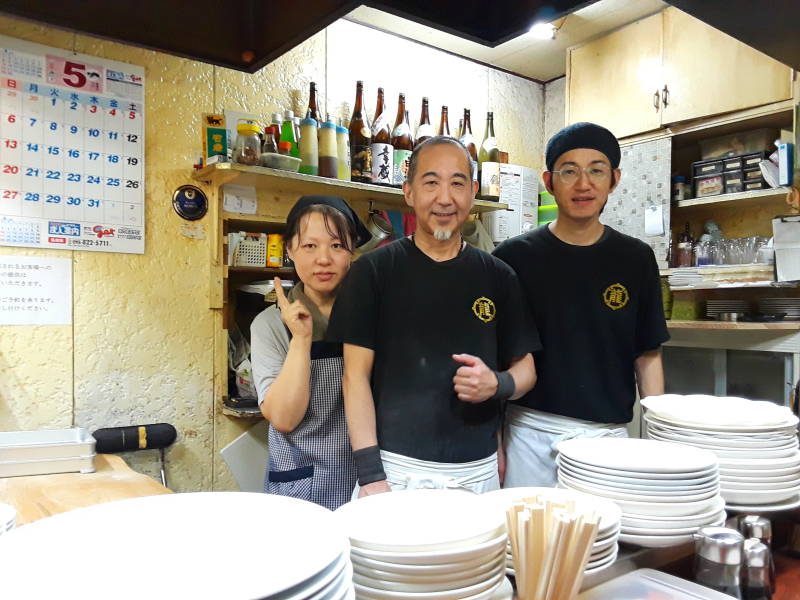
[(595, 297), (436, 337)]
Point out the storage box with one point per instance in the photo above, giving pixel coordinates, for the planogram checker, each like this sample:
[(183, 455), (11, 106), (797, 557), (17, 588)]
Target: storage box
[(750, 161), (706, 167), (749, 186), (215, 137), (709, 186), (734, 144), (733, 182), (45, 452), (753, 174), (732, 164)]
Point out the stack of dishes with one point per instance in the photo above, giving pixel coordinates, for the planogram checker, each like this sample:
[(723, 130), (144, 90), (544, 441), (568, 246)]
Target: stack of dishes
[(685, 277), (756, 443), (425, 545), (8, 518), (776, 306), (666, 491), (279, 549), (714, 308), (605, 547)]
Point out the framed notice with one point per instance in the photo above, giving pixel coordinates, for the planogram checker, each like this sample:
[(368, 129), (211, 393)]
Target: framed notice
[(71, 150), (35, 291)]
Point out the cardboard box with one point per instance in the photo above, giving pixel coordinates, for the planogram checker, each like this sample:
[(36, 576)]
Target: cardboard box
[(215, 138)]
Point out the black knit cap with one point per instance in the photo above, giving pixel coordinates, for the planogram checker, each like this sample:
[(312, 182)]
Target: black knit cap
[(362, 234), (582, 135)]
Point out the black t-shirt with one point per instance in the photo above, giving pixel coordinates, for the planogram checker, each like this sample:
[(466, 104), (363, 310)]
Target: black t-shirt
[(597, 308), (415, 313)]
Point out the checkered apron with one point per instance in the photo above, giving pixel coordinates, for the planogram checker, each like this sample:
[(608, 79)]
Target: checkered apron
[(314, 462)]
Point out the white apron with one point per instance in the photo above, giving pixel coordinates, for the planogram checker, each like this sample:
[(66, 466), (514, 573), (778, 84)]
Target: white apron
[(530, 440), (405, 473)]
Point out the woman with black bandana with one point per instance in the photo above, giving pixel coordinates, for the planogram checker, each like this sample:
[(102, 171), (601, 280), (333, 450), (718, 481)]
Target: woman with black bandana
[(297, 374)]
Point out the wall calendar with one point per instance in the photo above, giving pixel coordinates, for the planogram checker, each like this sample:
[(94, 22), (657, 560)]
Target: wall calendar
[(71, 150)]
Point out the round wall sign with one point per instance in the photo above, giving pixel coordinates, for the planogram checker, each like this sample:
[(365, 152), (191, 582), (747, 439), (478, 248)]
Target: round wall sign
[(190, 202)]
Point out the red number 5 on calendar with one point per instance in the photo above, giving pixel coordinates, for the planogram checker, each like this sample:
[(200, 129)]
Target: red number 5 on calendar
[(74, 74)]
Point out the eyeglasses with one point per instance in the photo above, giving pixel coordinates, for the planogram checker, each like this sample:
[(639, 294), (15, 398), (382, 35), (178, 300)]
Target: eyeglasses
[(596, 174)]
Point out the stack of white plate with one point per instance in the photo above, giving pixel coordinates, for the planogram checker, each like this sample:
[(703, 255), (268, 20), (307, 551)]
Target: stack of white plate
[(8, 518), (605, 547), (684, 277), (666, 491), (789, 306), (425, 545), (756, 443), (715, 307), (231, 545)]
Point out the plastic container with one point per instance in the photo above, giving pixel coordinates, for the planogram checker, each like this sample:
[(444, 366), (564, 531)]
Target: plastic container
[(749, 186), (247, 149), (328, 151), (275, 247), (343, 152), (45, 444), (753, 174), (649, 583), (47, 466), (288, 134), (751, 161), (735, 144), (280, 161), (733, 182), (709, 186), (678, 188), (732, 164), (309, 147), (702, 168)]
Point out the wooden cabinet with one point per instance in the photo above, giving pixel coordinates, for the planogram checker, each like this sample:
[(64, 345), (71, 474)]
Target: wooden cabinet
[(666, 69)]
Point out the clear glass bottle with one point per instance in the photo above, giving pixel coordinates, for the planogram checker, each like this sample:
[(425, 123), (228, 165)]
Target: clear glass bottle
[(247, 149)]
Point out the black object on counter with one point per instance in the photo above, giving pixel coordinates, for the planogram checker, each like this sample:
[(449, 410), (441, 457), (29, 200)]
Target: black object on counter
[(137, 437)]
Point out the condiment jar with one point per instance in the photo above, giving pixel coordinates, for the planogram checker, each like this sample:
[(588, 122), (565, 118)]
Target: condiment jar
[(757, 583), (285, 148), (270, 144), (718, 559), (288, 134), (328, 152), (309, 149), (247, 149), (343, 151), (760, 528)]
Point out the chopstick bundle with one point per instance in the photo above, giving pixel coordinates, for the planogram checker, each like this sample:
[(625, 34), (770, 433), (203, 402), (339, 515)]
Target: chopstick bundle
[(550, 543)]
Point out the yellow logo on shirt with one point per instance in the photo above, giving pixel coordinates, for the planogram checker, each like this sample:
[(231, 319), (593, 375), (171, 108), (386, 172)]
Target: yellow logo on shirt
[(484, 309), (616, 296)]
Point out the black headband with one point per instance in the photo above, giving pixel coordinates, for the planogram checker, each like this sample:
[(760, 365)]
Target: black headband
[(582, 135), (362, 234)]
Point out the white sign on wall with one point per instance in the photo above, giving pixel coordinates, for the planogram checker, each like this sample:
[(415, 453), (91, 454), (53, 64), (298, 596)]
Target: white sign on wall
[(71, 150), (35, 291)]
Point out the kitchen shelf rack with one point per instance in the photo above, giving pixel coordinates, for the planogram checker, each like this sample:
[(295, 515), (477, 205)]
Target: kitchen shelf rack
[(739, 200), (740, 326)]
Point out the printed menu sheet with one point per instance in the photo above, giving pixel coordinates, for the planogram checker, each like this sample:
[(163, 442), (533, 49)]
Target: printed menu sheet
[(71, 150)]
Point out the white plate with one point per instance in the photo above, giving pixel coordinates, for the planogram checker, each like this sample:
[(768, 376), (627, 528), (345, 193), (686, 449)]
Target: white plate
[(714, 439), (419, 520), (670, 531), (713, 508), (737, 453), (193, 522), (632, 496), (655, 490), (655, 541), (667, 509), (712, 411), (667, 479), (434, 557), (608, 512), (504, 592), (633, 454), (428, 586), (661, 524), (759, 477), (789, 504), (424, 569), (321, 585), (769, 435), (472, 592), (600, 565), (756, 497), (459, 573), (761, 463), (728, 484), (778, 428)]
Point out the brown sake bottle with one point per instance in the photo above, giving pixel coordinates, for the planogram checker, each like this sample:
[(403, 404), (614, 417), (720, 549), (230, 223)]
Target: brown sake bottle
[(312, 112), (403, 143), (444, 125), (425, 129), (382, 150), (360, 141)]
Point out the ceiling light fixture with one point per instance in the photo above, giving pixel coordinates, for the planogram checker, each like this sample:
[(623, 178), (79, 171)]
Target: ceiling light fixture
[(543, 31)]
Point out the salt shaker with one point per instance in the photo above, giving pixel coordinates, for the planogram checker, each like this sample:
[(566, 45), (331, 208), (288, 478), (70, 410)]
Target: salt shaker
[(755, 526), (718, 559), (757, 561)]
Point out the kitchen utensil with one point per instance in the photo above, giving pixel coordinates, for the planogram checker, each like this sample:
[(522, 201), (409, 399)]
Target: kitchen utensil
[(759, 570), (718, 559), (380, 229), (158, 436)]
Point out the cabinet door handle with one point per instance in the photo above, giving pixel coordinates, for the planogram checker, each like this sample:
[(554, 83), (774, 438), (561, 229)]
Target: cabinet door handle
[(656, 100), (665, 95)]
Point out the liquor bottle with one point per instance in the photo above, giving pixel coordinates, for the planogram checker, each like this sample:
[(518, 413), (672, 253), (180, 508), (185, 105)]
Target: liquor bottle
[(425, 129), (460, 128), (311, 112), (360, 141), (403, 143), (469, 143), (444, 125), (382, 150), (489, 151)]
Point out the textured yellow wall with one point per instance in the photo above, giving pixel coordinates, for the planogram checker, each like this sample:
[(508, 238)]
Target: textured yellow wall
[(141, 346)]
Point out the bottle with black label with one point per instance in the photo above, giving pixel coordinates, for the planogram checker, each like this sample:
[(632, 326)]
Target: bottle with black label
[(402, 141), (382, 150), (444, 124), (425, 129), (360, 141)]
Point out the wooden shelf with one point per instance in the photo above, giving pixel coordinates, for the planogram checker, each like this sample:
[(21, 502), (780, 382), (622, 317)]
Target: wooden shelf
[(740, 326), (740, 200), (276, 181), (264, 270)]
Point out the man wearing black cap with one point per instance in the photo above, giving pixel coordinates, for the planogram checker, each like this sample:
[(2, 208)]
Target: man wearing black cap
[(436, 338), (595, 297)]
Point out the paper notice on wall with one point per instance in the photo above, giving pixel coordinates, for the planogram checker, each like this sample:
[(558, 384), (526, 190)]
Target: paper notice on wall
[(654, 220), (35, 291), (239, 199)]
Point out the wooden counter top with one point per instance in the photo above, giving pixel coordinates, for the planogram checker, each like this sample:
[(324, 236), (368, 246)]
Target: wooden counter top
[(39, 496)]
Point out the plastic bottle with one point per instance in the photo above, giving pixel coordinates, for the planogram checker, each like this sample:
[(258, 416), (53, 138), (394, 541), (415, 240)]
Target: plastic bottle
[(328, 150), (285, 148), (288, 135), (343, 151), (309, 149)]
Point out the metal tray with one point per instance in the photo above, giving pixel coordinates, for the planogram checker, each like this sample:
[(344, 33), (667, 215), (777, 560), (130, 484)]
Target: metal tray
[(45, 444), (72, 464)]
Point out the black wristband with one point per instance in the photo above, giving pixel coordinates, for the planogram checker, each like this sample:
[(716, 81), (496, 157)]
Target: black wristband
[(369, 465), (505, 386)]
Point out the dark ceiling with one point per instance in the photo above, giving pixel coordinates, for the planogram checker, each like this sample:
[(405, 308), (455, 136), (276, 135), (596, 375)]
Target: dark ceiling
[(248, 34)]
